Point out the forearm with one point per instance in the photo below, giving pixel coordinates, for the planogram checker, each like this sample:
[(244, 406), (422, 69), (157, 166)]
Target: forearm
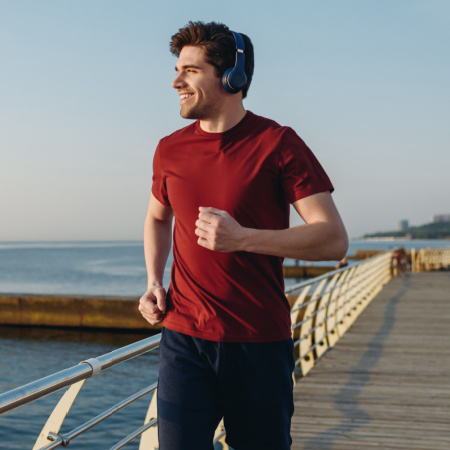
[(157, 244), (322, 238), (320, 241)]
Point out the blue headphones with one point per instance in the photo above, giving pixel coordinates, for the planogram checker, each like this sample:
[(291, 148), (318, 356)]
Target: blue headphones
[(234, 78)]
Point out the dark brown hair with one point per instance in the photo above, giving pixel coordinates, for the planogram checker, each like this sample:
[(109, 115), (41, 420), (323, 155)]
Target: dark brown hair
[(218, 46)]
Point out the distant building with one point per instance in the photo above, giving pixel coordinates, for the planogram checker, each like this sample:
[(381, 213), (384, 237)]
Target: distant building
[(403, 225), (440, 218)]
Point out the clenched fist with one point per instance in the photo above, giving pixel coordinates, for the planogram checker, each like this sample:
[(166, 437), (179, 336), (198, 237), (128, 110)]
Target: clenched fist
[(152, 305), (217, 230)]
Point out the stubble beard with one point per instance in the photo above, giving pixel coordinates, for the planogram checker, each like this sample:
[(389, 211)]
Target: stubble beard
[(199, 112), (196, 113)]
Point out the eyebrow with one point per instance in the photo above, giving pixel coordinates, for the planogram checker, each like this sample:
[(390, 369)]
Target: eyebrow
[(188, 66)]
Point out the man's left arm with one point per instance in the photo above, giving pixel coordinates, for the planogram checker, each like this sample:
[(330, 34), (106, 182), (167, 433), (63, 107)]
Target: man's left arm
[(322, 237)]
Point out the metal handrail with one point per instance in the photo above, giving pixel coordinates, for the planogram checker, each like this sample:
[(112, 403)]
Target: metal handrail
[(136, 433), (52, 383), (302, 284), (303, 305)]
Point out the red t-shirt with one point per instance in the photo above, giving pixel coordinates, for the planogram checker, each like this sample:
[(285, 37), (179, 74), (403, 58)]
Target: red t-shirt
[(252, 171)]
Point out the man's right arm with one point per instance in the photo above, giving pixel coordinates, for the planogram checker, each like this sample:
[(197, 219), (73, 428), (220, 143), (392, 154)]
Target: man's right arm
[(157, 243)]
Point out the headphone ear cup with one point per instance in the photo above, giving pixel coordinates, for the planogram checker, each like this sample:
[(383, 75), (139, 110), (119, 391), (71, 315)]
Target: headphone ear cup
[(237, 79), (234, 80), (225, 81)]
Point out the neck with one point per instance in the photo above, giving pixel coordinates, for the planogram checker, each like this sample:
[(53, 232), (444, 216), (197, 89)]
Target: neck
[(225, 120)]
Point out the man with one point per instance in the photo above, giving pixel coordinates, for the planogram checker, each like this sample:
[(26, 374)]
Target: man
[(228, 178)]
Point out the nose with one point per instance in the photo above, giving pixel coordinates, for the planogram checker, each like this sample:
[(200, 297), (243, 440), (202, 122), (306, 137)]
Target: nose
[(178, 81)]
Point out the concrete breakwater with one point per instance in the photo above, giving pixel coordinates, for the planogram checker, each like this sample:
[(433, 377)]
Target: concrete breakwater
[(305, 271), (73, 312), (108, 313)]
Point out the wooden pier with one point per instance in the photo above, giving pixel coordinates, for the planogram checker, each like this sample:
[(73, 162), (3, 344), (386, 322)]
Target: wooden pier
[(386, 383)]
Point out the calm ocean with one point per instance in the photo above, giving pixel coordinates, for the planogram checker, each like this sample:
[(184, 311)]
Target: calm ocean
[(104, 268), (84, 268)]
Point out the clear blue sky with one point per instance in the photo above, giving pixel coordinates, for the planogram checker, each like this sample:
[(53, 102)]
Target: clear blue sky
[(85, 96)]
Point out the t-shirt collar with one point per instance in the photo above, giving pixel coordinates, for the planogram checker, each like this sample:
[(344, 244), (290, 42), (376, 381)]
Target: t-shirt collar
[(231, 131)]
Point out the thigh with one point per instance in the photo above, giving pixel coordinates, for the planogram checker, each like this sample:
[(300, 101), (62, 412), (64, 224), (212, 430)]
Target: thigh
[(258, 395), (188, 399)]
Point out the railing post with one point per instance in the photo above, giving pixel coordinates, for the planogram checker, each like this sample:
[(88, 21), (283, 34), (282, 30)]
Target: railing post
[(320, 333), (149, 438), (306, 330), (56, 419), (332, 311)]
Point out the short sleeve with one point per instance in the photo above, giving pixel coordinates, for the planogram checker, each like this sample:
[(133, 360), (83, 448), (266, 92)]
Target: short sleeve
[(159, 187), (301, 173)]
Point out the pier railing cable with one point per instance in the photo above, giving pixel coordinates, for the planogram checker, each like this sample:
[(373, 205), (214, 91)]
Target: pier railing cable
[(322, 311)]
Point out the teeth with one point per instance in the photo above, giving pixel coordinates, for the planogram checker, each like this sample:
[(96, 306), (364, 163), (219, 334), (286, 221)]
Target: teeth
[(183, 96)]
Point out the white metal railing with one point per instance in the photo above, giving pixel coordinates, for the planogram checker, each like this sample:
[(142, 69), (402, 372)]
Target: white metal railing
[(427, 259), (323, 309), (326, 306), (75, 377)]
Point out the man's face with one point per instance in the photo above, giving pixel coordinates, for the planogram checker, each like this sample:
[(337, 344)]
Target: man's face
[(199, 87)]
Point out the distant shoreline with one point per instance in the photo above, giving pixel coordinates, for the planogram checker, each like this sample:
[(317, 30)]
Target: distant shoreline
[(434, 230)]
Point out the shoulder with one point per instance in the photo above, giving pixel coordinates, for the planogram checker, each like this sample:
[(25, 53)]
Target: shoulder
[(272, 128), (263, 122)]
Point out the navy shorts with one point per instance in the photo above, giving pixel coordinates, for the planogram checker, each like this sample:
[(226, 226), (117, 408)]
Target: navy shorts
[(248, 384)]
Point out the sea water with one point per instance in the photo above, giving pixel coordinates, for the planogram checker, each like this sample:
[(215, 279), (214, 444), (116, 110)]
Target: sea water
[(81, 268), (28, 355), (107, 268)]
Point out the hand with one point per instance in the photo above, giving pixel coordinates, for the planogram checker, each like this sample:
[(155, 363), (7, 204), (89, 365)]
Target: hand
[(152, 305), (218, 231)]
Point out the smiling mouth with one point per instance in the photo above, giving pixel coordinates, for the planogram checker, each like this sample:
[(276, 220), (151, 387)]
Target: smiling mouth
[(185, 96)]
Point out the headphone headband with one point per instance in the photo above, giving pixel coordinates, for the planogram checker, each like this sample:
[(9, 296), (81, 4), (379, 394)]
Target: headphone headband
[(234, 79)]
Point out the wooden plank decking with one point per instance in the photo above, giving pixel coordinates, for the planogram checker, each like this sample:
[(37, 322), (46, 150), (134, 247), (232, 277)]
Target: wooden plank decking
[(386, 384)]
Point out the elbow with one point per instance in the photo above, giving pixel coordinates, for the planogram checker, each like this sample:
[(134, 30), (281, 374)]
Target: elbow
[(336, 246), (340, 246)]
